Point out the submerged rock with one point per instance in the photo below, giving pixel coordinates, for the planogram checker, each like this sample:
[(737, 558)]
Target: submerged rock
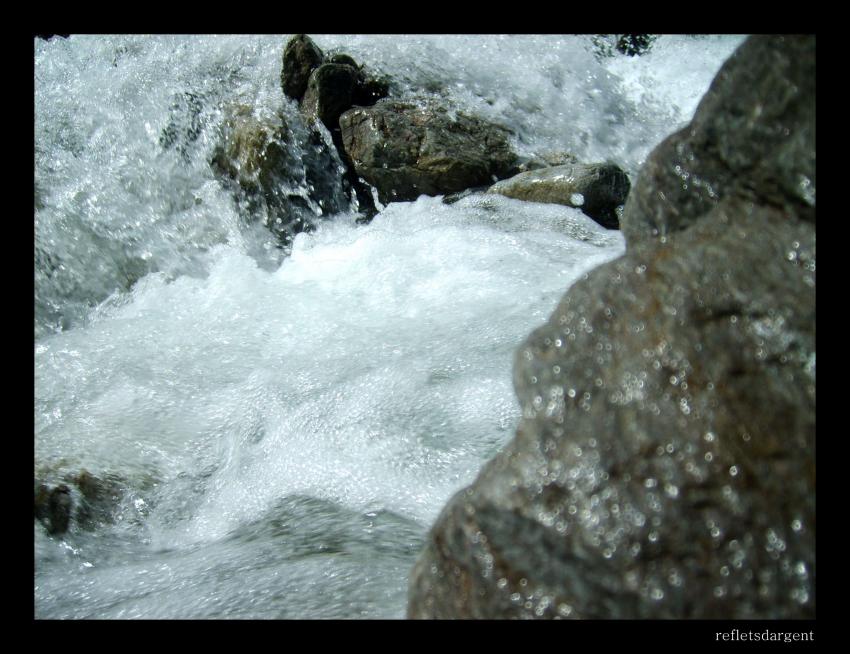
[(53, 507), (664, 466), (85, 499), (596, 189), (300, 58), (407, 149)]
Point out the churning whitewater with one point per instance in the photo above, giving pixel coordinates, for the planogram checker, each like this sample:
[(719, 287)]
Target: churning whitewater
[(279, 427)]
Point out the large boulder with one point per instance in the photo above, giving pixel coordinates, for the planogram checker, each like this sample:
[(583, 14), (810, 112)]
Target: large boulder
[(597, 189), (406, 149), (300, 58), (753, 135), (664, 466)]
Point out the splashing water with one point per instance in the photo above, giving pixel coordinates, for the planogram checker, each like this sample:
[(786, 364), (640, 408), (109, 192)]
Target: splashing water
[(287, 424)]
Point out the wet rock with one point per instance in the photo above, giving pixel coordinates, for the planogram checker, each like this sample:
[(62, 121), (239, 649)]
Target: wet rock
[(547, 159), (330, 91), (300, 58), (100, 497), (451, 198), (259, 156), (407, 149), (53, 507), (370, 88), (664, 466), (752, 136), (342, 58), (84, 499), (635, 44), (597, 189)]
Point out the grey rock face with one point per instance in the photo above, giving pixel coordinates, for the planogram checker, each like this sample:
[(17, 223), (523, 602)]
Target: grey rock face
[(300, 58), (664, 466), (596, 189), (405, 150), (752, 136)]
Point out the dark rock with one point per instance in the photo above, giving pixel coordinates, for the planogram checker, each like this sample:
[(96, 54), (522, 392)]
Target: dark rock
[(664, 466), (405, 150), (300, 58), (596, 189), (370, 88), (53, 507), (330, 92), (635, 44), (753, 136), (342, 58)]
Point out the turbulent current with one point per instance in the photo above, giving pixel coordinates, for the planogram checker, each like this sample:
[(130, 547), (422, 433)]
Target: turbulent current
[(283, 426)]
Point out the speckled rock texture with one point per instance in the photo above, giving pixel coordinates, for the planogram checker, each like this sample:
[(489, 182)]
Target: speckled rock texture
[(753, 136), (664, 466), (597, 189), (407, 149)]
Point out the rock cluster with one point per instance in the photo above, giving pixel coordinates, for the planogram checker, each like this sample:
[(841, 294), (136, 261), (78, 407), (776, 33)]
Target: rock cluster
[(664, 466), (389, 149)]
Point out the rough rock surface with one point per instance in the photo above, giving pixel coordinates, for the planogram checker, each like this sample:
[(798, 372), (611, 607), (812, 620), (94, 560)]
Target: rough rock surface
[(597, 189), (407, 149), (300, 58), (258, 155), (753, 135), (664, 466)]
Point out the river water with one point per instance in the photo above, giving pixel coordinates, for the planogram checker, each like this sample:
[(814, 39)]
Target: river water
[(284, 425)]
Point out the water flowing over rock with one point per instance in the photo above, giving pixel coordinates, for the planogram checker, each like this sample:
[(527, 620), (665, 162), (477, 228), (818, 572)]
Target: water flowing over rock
[(291, 191), (83, 499), (407, 149), (665, 463), (596, 189), (547, 159)]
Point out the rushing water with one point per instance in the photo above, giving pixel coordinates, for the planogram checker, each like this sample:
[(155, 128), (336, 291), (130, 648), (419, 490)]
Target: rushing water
[(285, 425)]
